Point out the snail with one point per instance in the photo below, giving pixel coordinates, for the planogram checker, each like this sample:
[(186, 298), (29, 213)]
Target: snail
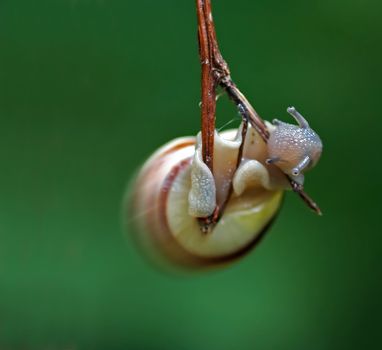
[(174, 194)]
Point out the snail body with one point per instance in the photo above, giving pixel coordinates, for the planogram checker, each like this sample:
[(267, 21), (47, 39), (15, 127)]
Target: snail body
[(294, 148), (175, 192)]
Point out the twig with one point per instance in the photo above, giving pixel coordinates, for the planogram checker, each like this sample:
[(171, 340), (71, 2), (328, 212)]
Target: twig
[(299, 189), (208, 104), (215, 71), (238, 161)]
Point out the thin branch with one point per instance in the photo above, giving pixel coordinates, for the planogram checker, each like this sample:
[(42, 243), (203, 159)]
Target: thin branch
[(208, 104), (245, 108), (215, 71), (238, 161), (299, 189)]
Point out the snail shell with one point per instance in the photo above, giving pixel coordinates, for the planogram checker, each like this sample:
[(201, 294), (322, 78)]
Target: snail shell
[(174, 189)]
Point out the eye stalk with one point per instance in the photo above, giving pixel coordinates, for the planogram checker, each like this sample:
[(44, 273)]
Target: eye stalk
[(302, 122), (294, 148)]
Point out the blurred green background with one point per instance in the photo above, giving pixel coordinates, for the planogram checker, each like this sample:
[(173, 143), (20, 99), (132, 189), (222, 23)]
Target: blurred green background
[(90, 88)]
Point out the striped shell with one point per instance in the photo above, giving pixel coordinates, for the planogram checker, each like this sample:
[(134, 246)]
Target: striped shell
[(174, 188)]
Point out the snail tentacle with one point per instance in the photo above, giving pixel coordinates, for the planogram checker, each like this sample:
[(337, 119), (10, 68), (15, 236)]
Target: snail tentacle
[(301, 166), (302, 122)]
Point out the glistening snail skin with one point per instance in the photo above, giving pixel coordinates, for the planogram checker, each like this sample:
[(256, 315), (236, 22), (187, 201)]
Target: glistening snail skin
[(294, 148), (174, 189)]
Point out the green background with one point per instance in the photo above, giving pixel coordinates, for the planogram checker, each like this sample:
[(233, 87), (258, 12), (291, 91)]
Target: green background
[(89, 88)]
